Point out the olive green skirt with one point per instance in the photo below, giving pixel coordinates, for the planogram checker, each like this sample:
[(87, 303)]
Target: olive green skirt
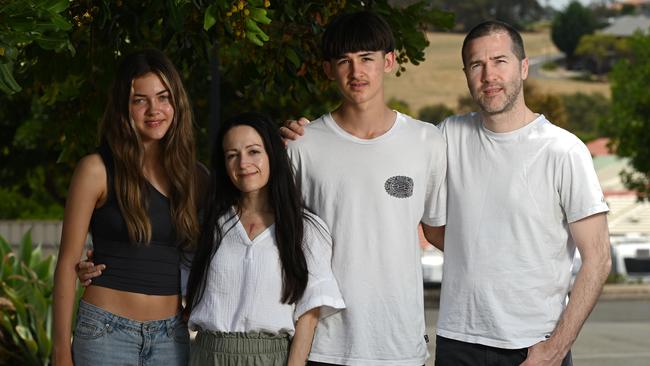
[(239, 349)]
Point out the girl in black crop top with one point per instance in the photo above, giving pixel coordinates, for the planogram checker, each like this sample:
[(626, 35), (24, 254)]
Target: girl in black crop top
[(137, 196)]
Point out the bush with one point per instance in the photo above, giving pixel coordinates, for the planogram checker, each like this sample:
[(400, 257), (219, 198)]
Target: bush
[(435, 113), (399, 105), (549, 66), (585, 112), (26, 283), (14, 205)]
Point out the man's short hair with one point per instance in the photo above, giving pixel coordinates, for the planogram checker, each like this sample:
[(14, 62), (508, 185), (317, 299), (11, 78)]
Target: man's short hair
[(354, 32), (494, 26)]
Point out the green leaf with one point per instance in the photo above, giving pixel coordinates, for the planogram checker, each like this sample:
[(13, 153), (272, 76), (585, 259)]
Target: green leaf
[(4, 247), (55, 43), (37, 253), (259, 15), (56, 6), (293, 57), (7, 82), (43, 269), (252, 37), (13, 296), (60, 22), (26, 336), (209, 19), (25, 255)]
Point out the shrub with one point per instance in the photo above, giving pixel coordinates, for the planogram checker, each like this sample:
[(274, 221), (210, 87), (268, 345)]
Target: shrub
[(399, 105), (26, 283), (585, 112), (434, 113), (549, 66)]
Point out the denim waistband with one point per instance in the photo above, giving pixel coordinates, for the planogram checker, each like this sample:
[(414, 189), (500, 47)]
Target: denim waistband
[(90, 310)]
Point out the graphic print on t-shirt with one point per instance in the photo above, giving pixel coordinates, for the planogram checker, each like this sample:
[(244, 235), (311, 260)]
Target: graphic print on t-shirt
[(399, 186)]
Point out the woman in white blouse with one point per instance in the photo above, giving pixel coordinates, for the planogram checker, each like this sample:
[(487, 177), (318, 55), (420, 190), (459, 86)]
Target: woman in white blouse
[(261, 275)]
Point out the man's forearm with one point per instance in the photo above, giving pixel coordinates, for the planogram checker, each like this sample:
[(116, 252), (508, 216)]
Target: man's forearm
[(584, 295)]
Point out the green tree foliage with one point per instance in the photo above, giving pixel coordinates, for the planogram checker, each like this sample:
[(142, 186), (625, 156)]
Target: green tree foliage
[(23, 23), (56, 78), (629, 121), (570, 25), (548, 104), (399, 105), (600, 51), (435, 113), (585, 113), (469, 13)]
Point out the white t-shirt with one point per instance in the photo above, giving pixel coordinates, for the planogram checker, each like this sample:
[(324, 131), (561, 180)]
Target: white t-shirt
[(508, 250), (373, 193), (244, 283)]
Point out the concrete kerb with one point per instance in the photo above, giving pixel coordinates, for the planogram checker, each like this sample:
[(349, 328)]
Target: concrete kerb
[(636, 291)]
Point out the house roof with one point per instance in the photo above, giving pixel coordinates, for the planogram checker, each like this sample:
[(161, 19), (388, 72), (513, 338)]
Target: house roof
[(626, 214), (598, 147), (626, 25)]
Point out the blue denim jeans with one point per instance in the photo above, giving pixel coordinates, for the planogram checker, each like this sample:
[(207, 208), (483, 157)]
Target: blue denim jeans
[(103, 338)]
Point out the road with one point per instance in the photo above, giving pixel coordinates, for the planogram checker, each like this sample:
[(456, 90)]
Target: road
[(535, 64), (616, 333)]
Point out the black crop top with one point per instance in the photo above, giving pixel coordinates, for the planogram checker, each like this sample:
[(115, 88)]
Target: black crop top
[(152, 268)]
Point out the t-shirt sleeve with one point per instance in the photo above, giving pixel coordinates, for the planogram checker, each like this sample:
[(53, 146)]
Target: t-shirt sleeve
[(579, 189), (435, 204), (322, 289)]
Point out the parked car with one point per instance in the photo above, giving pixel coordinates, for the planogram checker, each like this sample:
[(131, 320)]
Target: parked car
[(431, 266), (631, 256)]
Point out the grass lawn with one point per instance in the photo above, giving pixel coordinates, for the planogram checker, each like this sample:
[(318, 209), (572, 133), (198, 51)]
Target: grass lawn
[(440, 78)]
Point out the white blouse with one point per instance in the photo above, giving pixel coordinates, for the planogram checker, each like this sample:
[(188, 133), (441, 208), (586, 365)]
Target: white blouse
[(244, 282)]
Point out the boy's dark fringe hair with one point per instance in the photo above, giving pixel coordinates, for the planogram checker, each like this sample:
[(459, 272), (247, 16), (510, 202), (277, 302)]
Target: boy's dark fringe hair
[(354, 32)]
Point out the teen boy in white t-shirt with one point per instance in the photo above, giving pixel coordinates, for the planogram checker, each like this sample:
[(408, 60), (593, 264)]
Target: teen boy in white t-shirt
[(372, 175)]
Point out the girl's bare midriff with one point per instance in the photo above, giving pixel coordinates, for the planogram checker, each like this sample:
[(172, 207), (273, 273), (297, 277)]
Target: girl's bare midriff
[(131, 305)]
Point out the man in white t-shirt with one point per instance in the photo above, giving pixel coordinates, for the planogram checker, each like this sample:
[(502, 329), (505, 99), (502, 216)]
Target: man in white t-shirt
[(373, 175), (522, 195)]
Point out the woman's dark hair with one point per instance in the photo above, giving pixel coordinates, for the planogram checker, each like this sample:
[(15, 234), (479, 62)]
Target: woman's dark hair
[(284, 197)]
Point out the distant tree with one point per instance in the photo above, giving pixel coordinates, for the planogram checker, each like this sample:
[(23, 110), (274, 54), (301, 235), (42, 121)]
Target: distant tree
[(550, 105), (570, 25), (629, 122), (469, 13), (600, 51), (466, 104), (628, 9), (399, 105), (434, 113), (585, 113)]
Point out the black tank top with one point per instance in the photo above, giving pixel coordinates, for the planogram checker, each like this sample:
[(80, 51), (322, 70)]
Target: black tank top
[(151, 268)]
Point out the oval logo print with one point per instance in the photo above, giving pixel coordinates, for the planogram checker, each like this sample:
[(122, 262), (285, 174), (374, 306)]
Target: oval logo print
[(399, 186)]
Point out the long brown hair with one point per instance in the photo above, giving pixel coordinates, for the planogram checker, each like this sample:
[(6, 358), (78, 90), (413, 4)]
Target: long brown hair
[(178, 150)]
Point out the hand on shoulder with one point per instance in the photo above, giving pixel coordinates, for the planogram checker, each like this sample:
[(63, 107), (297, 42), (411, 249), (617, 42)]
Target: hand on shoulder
[(292, 129)]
